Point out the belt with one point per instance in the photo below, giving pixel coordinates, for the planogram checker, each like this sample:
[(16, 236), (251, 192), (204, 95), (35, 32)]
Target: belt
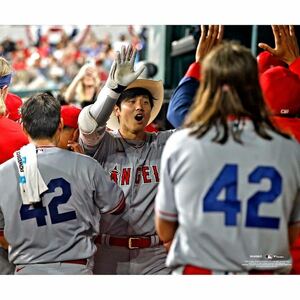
[(193, 270), (75, 261), (135, 242)]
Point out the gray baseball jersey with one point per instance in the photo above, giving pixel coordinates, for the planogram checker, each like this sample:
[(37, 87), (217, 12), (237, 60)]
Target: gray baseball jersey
[(63, 225), (135, 167), (233, 202)]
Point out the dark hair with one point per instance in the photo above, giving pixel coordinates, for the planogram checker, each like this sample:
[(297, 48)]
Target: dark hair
[(41, 116), (229, 87), (134, 92)]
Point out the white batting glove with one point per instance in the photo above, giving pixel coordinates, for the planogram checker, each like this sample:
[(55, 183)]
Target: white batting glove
[(122, 72)]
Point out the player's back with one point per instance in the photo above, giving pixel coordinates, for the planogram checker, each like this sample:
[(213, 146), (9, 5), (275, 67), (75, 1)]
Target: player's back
[(234, 201), (61, 226)]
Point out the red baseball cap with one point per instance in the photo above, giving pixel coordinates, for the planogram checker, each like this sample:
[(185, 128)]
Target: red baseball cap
[(281, 90), (265, 61), (70, 115), (13, 104)]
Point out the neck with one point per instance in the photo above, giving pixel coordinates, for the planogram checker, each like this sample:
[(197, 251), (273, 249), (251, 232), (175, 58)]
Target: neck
[(43, 142), (135, 136)]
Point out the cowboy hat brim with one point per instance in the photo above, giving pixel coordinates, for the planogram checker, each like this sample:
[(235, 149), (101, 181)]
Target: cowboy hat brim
[(156, 88)]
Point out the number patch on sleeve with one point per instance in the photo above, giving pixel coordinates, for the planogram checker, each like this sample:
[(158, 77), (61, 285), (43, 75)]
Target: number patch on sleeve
[(227, 180), (39, 212)]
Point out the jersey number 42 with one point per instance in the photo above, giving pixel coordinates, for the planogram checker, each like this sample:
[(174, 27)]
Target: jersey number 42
[(39, 211), (231, 205)]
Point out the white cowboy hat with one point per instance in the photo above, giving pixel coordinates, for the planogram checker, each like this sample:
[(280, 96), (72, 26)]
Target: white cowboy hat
[(156, 88)]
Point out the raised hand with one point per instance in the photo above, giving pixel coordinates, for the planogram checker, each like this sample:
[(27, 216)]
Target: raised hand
[(122, 72), (209, 38), (286, 45)]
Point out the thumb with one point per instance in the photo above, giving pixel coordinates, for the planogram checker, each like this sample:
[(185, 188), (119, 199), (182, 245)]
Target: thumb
[(266, 47), (139, 71), (112, 70)]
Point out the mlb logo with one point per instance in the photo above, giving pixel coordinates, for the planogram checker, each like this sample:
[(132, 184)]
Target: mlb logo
[(269, 256)]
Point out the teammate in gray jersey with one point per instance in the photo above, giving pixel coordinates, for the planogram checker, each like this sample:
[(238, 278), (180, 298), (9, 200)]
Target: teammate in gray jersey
[(53, 232), (128, 243), (229, 192)]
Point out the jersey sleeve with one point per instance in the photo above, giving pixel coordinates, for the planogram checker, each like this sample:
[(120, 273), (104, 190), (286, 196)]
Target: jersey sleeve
[(165, 207), (183, 96), (109, 197), (1, 221), (295, 214)]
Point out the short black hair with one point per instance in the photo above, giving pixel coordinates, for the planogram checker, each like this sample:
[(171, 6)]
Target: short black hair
[(134, 92), (41, 116)]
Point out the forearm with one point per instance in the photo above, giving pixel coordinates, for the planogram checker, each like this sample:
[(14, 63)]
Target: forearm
[(3, 242), (183, 96), (104, 105), (70, 91)]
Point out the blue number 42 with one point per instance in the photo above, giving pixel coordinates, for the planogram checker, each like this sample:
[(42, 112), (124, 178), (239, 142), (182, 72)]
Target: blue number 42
[(231, 205), (39, 212)]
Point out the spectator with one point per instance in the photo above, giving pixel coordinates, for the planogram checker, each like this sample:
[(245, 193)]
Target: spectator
[(84, 87)]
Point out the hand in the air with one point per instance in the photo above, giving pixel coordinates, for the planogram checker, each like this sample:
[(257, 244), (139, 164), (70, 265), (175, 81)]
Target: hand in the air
[(122, 72), (209, 38), (286, 45)]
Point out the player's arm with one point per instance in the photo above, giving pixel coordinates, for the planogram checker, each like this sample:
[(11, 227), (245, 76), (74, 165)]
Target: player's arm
[(184, 94), (109, 197), (165, 206), (3, 242), (121, 74), (165, 230)]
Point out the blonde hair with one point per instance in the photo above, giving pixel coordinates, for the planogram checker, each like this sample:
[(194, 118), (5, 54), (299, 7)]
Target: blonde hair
[(80, 89), (5, 69)]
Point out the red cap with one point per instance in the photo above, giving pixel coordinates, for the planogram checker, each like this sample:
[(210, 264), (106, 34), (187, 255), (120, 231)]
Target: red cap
[(70, 115), (281, 90), (265, 61), (13, 104)]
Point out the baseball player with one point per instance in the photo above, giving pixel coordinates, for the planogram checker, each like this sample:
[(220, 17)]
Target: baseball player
[(11, 139), (70, 133), (279, 78), (128, 243), (53, 198), (226, 199)]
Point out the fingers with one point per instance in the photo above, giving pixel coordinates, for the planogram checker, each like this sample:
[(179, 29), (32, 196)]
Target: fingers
[(220, 33), (276, 33), (118, 57), (123, 54), (128, 53), (139, 71), (266, 47), (292, 30), (113, 69), (132, 59)]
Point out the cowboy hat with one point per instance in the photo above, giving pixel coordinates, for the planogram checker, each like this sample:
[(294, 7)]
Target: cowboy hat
[(155, 88)]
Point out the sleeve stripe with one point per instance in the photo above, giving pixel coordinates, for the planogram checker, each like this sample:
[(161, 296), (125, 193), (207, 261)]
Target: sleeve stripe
[(164, 213)]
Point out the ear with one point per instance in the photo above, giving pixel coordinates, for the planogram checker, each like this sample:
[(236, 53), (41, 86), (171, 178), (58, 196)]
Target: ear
[(75, 135), (117, 111), (61, 124), (25, 131)]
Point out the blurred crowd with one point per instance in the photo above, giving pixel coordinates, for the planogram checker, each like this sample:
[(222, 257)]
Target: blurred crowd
[(52, 56)]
